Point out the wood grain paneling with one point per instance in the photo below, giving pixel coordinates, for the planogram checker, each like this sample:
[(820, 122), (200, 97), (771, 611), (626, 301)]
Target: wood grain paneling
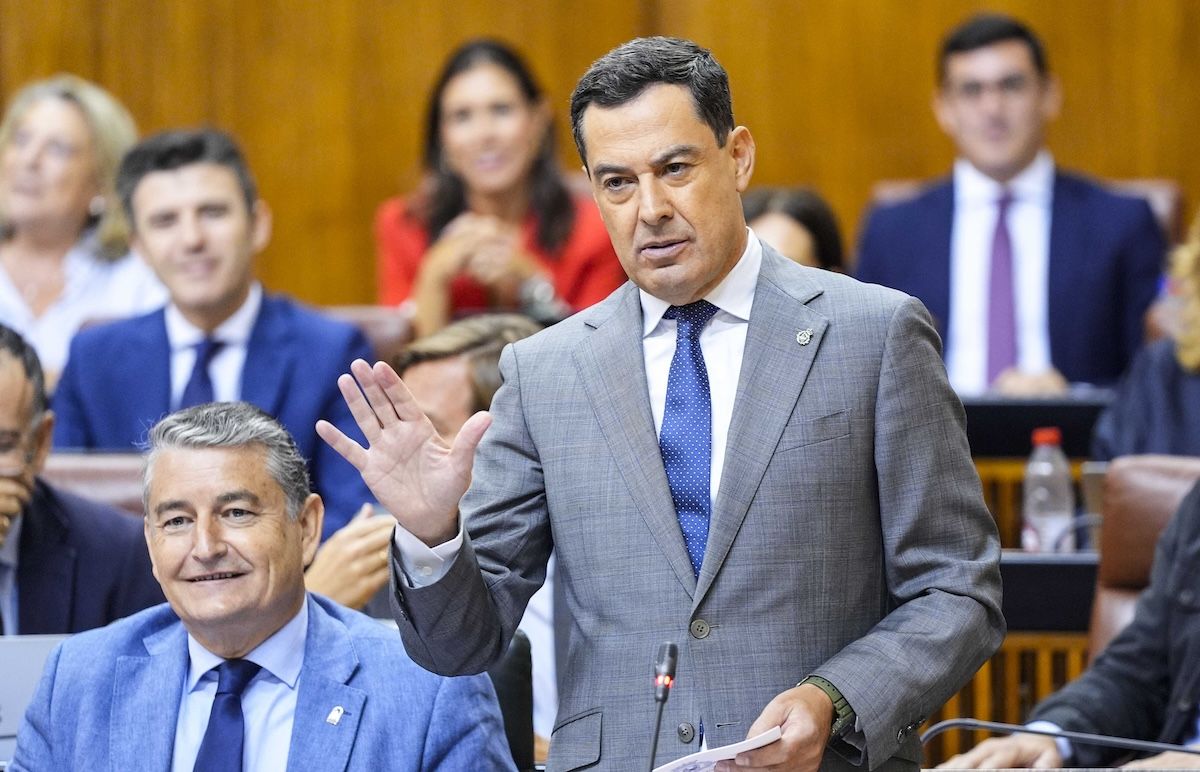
[(328, 98)]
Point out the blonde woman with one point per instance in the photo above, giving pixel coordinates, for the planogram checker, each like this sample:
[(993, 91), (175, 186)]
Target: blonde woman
[(64, 252), (1157, 409)]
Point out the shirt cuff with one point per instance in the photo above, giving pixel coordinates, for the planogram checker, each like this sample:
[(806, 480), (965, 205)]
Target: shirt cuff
[(420, 564), (1064, 745)]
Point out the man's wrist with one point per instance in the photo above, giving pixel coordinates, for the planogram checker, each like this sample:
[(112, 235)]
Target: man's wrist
[(843, 714)]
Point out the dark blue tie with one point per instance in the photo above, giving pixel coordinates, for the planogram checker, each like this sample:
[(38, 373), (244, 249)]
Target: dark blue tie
[(221, 749), (199, 388), (685, 439)]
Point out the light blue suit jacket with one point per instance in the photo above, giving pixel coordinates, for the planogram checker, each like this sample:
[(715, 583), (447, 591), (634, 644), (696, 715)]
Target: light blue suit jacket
[(109, 699)]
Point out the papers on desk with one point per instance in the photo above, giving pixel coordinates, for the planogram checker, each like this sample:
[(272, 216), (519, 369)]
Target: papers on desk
[(704, 761)]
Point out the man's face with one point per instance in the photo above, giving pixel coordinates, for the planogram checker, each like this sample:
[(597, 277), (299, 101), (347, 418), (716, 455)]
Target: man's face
[(192, 226), (23, 445), (995, 106), (443, 391), (668, 194), (228, 557)]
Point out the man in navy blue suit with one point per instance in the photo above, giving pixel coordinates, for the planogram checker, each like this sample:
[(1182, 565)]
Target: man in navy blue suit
[(66, 564), (197, 220), (1035, 277)]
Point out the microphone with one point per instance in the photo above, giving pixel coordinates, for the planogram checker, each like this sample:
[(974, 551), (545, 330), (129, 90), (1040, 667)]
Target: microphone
[(1082, 738), (664, 677)]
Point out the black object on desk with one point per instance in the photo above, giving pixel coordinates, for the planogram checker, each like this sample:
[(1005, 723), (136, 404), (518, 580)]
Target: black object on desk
[(1048, 591), (1002, 427)]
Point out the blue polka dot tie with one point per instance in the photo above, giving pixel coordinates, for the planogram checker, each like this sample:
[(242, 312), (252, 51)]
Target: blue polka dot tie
[(221, 748), (685, 439)]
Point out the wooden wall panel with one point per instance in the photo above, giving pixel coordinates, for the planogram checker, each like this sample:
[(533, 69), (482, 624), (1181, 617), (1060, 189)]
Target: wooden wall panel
[(328, 98)]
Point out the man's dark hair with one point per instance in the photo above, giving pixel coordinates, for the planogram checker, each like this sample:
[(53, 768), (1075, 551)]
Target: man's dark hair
[(20, 350), (624, 72), (173, 150), (987, 29)]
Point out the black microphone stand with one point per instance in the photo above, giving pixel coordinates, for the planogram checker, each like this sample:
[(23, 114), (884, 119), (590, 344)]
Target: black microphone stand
[(664, 676)]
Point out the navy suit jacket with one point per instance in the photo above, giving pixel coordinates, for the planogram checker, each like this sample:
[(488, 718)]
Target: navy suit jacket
[(1106, 259), (1146, 683), (109, 699), (117, 384), (81, 564)]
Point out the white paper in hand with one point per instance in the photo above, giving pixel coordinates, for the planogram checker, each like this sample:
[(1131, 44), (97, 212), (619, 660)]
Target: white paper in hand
[(704, 761)]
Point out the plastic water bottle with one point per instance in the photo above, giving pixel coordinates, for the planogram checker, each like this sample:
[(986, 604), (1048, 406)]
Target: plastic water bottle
[(1049, 496)]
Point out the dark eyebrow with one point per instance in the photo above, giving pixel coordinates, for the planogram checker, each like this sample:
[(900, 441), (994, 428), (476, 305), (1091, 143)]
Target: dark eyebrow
[(662, 159)]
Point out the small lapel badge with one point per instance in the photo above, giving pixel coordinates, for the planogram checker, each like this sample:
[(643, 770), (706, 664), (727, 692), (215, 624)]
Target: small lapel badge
[(335, 715), (804, 337)]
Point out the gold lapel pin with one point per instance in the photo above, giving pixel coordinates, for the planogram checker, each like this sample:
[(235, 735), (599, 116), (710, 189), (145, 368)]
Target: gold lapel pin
[(804, 337)]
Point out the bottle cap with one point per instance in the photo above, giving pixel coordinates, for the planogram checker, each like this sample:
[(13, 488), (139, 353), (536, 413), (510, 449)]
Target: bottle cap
[(1047, 435)]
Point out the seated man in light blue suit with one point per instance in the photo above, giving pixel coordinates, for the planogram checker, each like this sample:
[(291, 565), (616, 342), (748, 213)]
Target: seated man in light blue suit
[(198, 222), (230, 523)]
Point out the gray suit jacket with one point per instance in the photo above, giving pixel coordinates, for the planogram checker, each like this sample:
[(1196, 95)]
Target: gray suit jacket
[(849, 536)]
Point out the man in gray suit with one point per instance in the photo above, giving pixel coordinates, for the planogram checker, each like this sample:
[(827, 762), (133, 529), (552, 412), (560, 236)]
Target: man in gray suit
[(760, 461)]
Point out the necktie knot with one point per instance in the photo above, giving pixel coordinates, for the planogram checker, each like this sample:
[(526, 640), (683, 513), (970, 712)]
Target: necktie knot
[(1006, 199), (691, 317), (206, 350), (234, 674)]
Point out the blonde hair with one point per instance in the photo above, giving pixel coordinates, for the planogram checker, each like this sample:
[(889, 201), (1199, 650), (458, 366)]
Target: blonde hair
[(113, 132), (1185, 271)]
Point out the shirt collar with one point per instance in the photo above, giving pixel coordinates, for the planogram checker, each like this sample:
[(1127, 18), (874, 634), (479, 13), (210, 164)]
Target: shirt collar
[(1034, 184), (281, 655), (234, 331), (734, 295)]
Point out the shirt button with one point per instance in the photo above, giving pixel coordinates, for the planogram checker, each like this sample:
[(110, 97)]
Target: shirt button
[(426, 570), (699, 628), (685, 732), (1186, 597)]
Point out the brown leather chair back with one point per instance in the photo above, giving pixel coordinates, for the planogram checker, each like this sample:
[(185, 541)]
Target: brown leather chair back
[(388, 328), (112, 478), (1141, 494)]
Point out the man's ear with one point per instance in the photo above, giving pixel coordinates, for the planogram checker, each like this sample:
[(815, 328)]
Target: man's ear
[(311, 517), (261, 226), (43, 440), (742, 150)]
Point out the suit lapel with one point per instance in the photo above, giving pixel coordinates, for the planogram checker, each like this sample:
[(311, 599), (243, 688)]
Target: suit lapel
[(145, 706), (1068, 240), (268, 357), (328, 710), (941, 227), (46, 571), (613, 373), (775, 365)]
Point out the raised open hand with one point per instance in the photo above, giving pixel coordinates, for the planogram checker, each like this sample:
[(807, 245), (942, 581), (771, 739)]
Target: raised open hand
[(409, 468)]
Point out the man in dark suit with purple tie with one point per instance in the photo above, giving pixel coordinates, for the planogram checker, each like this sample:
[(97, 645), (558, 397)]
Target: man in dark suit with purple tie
[(1035, 277)]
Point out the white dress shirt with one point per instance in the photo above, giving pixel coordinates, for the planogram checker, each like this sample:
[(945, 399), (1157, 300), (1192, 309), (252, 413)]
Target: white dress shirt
[(94, 289), (268, 703), (9, 560), (225, 368), (976, 211)]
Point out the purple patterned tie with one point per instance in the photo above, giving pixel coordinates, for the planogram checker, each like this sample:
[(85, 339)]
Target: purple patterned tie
[(1002, 327)]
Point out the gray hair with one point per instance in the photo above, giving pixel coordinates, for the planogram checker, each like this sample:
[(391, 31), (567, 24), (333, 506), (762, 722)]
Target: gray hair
[(232, 425), (624, 72)]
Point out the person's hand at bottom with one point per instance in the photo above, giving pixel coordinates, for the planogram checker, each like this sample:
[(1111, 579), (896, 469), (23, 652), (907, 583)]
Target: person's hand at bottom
[(1025, 751), (353, 563), (805, 715)]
